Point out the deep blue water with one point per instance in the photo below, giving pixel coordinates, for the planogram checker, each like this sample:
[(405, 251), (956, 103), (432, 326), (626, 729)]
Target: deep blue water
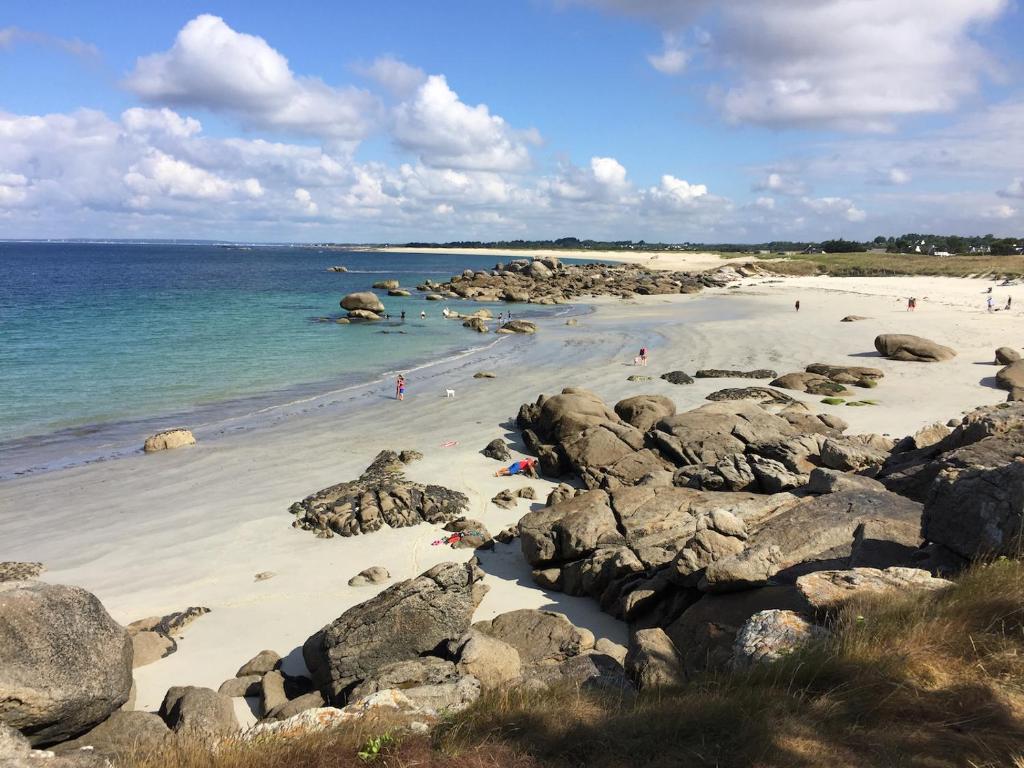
[(93, 334)]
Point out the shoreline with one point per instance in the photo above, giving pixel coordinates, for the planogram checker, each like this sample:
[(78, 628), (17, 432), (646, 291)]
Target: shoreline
[(91, 442), (154, 534)]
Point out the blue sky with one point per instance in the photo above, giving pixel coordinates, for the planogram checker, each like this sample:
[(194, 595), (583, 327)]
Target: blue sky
[(671, 120)]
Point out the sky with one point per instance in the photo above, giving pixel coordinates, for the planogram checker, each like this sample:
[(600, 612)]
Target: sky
[(661, 120)]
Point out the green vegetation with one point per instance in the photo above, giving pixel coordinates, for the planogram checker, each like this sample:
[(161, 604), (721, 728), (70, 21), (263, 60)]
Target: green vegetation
[(906, 679), (878, 264), (833, 401)]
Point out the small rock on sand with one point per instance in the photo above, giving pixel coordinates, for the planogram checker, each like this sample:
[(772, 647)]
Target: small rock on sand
[(15, 571), (484, 375), (375, 574)]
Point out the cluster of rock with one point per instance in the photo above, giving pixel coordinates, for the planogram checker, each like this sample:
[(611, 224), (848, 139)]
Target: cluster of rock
[(418, 637), (548, 281), (688, 525), (1011, 376), (382, 495), (363, 305), (829, 380)]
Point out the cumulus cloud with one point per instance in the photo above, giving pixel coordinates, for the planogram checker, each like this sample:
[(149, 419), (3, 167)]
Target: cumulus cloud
[(447, 133), (853, 65), (676, 193), (214, 67)]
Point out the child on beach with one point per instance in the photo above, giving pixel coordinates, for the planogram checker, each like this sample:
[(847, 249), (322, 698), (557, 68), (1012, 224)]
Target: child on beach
[(797, 305), (400, 387), (643, 355)]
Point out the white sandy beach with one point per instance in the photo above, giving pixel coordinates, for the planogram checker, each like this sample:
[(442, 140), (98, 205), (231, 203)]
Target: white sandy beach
[(151, 534)]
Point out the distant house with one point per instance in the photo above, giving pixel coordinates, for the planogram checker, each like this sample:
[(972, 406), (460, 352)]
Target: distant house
[(812, 249), (942, 253)]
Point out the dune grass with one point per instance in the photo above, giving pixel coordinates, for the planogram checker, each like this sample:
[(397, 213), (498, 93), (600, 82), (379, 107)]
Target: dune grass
[(916, 679), (870, 264)]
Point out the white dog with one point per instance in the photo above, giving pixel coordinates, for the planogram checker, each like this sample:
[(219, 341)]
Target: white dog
[(449, 394)]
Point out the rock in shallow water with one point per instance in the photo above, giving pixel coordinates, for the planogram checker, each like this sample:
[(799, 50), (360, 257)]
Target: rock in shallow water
[(168, 439)]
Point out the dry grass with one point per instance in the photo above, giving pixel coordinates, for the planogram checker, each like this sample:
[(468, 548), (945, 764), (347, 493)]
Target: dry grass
[(922, 680), (891, 264)]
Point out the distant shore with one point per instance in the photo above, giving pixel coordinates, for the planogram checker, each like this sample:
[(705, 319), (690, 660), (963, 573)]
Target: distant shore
[(661, 260)]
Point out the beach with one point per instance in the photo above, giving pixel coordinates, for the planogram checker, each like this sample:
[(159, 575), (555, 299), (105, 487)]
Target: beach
[(152, 534)]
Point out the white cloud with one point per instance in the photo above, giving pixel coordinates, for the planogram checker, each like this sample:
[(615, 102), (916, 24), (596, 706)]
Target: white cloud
[(676, 193), (673, 58), (165, 121), (609, 172), (393, 74), (10, 36), (857, 65), (447, 133), (831, 206), (767, 203), (158, 174), (305, 201), (898, 176), (214, 67)]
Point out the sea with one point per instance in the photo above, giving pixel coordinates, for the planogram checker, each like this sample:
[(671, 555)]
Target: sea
[(103, 343)]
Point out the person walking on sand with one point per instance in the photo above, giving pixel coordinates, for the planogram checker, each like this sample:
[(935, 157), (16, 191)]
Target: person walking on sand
[(1009, 300), (643, 355), (990, 303), (797, 305), (400, 387)]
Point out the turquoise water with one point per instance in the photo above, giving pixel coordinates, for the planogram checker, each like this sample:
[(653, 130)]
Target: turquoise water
[(93, 335)]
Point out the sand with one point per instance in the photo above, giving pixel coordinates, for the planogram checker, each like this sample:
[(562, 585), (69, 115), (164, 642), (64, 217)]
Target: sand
[(150, 534)]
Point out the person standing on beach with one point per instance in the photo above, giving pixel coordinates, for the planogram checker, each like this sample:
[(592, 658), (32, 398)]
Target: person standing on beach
[(990, 303), (400, 387), (797, 305), (643, 355), (1009, 300)]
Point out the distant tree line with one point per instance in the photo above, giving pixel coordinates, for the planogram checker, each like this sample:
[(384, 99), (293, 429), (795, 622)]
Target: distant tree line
[(908, 243)]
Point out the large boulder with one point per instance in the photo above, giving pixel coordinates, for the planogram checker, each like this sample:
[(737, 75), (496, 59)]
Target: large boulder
[(65, 665), (198, 711), (365, 301), (1007, 355), (815, 534), (1011, 378), (430, 683), (569, 413), (644, 411), (827, 590), (491, 661), (538, 636), (652, 660), (912, 473), (120, 735), (898, 346), (706, 631), (770, 635), (568, 530), (976, 506), (812, 383), (405, 621), (168, 439)]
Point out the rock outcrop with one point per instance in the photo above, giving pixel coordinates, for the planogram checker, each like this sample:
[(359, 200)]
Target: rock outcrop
[(364, 301), (373, 575), (201, 712), (381, 496), (409, 619), (65, 665), (770, 635), (828, 590)]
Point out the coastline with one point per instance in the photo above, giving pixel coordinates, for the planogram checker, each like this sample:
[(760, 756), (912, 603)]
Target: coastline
[(154, 534), (660, 260)]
